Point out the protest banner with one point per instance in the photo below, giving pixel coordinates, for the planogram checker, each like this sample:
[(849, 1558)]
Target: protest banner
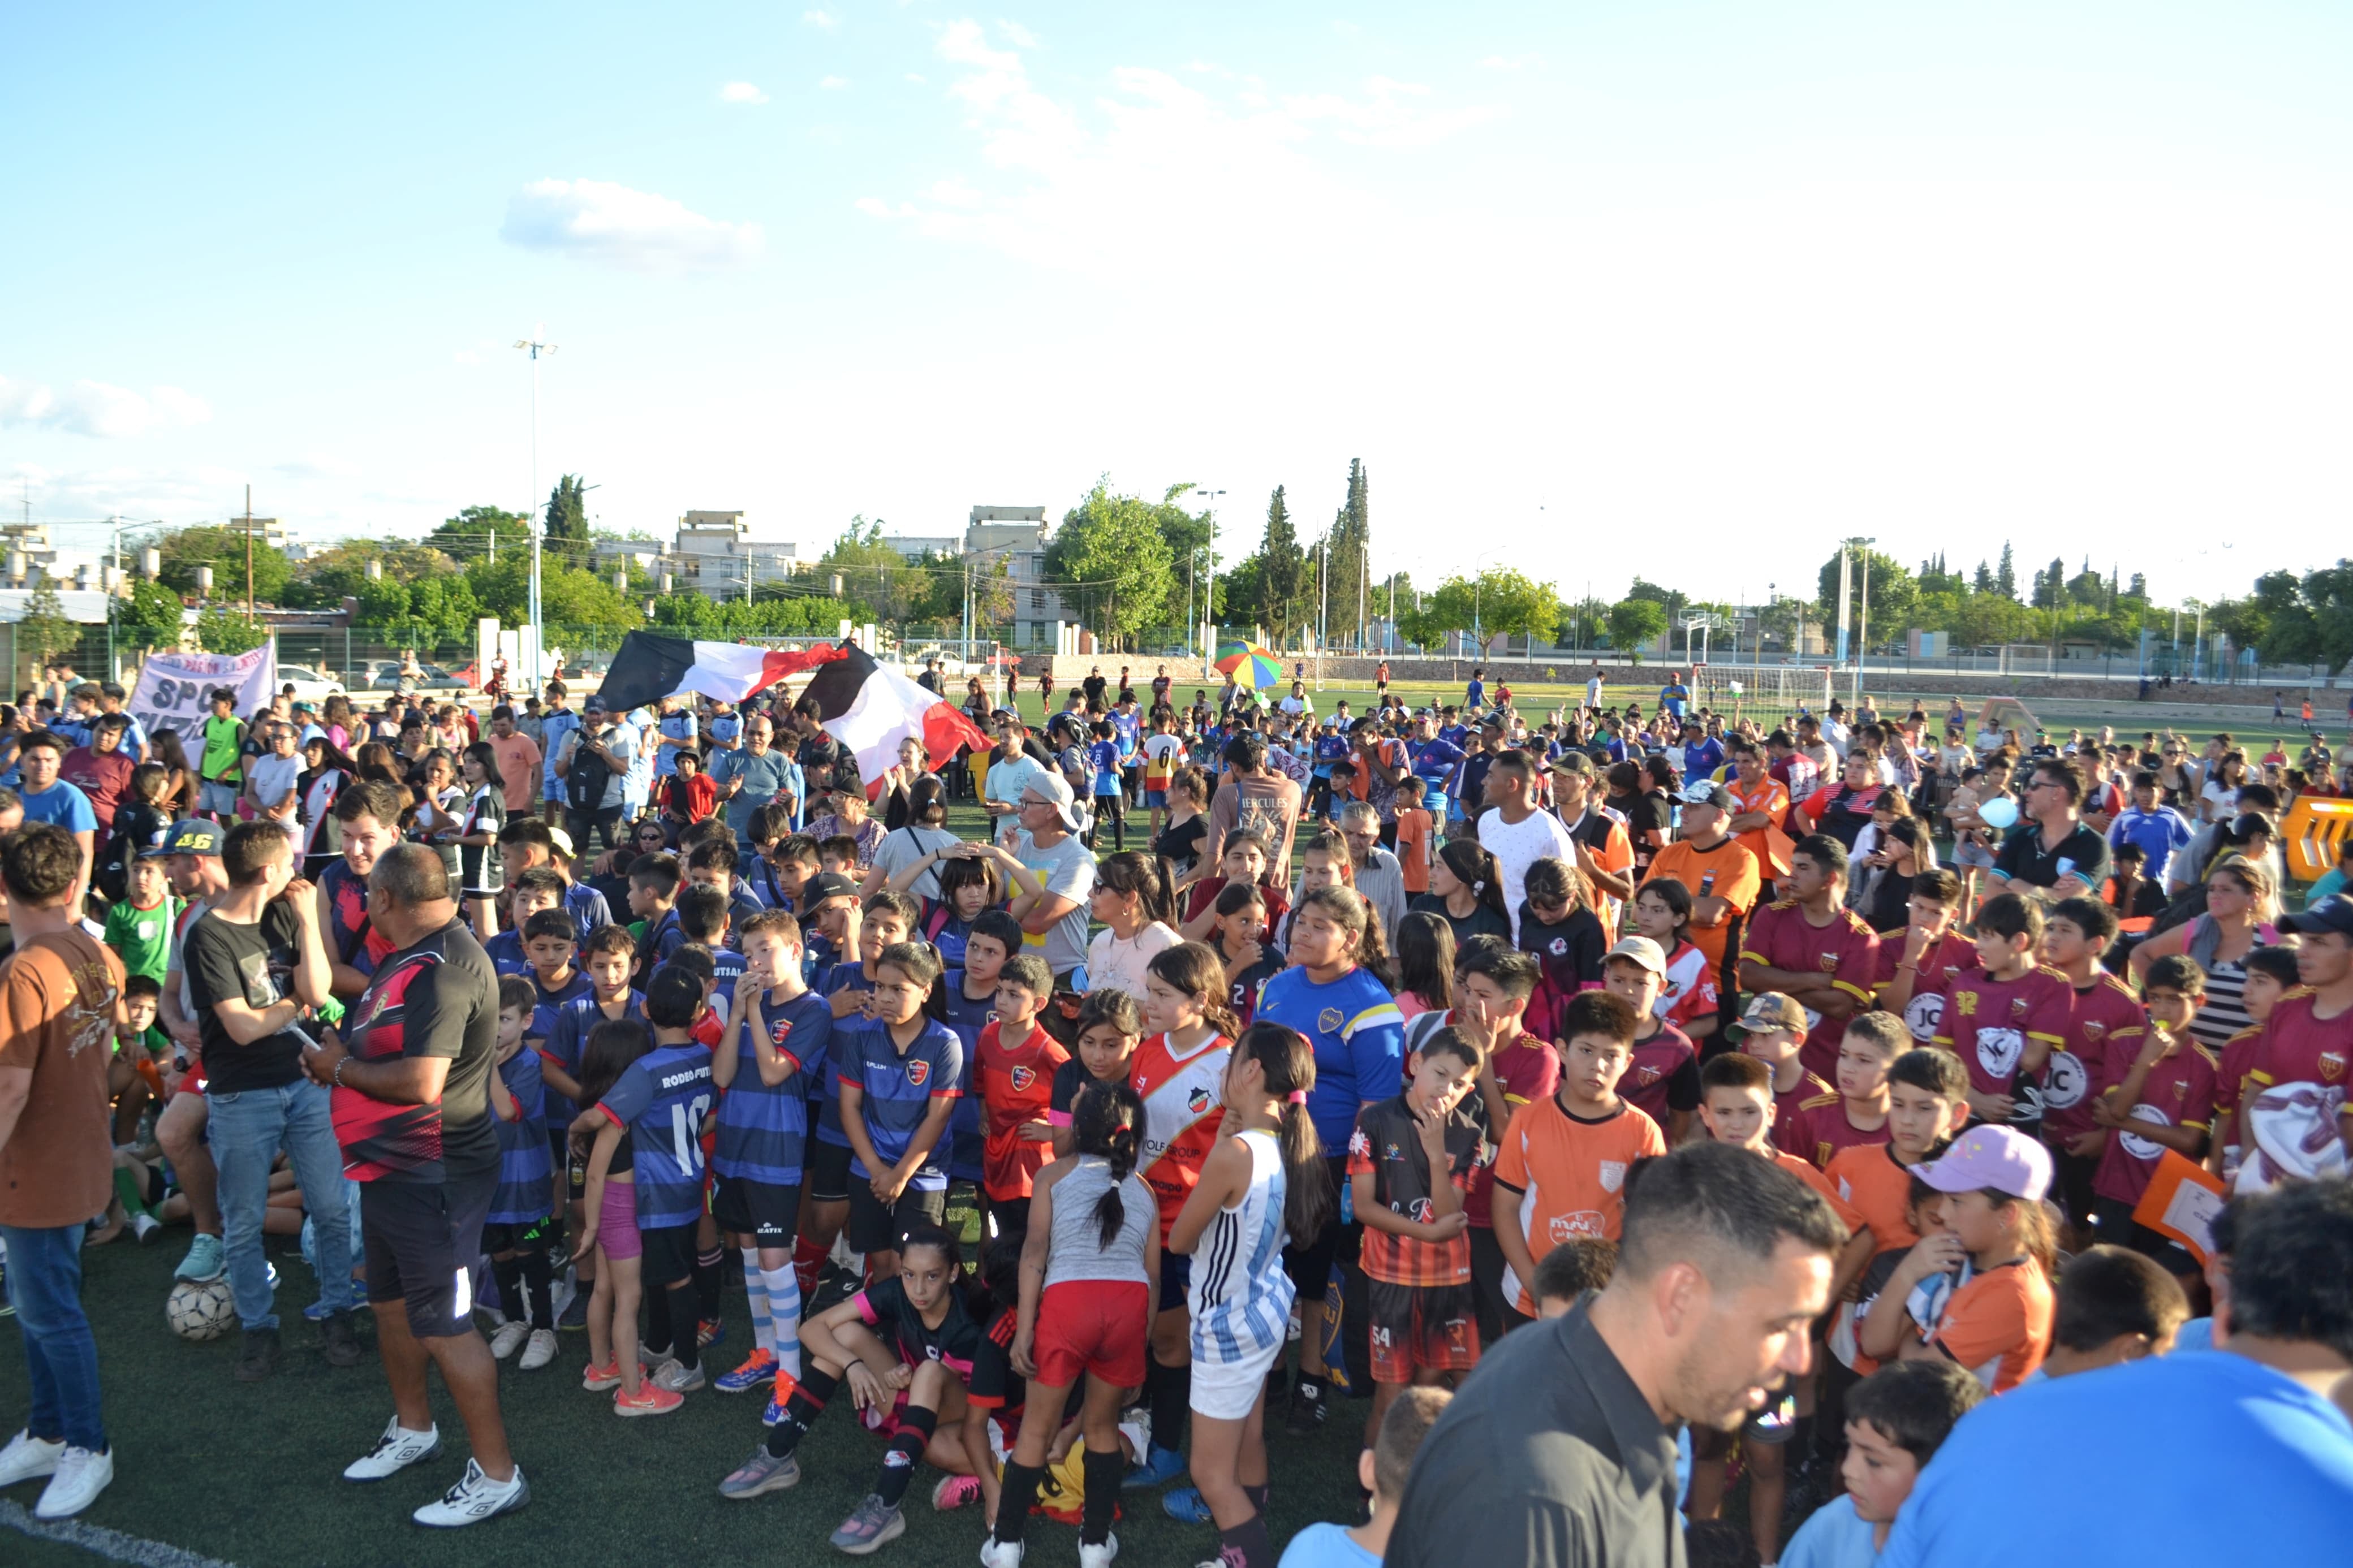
[(174, 690)]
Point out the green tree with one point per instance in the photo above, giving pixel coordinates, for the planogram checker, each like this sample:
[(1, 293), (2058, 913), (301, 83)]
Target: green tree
[(1286, 575), (1346, 562), (152, 617), (1671, 601), (1634, 624), (332, 575), (45, 633), (1895, 593), (224, 550), (2005, 576), (1111, 557), (875, 571), (566, 528), (577, 600), (481, 531), (229, 631), (1579, 624), (1192, 538)]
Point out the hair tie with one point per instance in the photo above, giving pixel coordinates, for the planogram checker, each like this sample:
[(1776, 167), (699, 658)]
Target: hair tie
[(1296, 1097)]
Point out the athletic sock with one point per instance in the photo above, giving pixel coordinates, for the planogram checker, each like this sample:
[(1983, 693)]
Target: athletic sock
[(539, 1284), (1103, 1472), (783, 1294), (659, 1334), (1017, 1495), (755, 1291), (1257, 1495), (706, 1278), (804, 1403), (808, 1262), (508, 1272), (130, 1192), (1172, 1403), (916, 1425), (1247, 1544), (682, 1324)]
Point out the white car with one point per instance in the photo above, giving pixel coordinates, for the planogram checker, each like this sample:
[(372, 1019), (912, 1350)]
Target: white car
[(310, 685)]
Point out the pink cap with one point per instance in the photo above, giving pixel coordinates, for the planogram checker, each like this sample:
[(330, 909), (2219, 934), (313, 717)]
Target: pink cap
[(1996, 1157)]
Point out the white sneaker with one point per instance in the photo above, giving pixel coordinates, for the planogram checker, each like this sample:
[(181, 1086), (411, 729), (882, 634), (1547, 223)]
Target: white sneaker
[(475, 1499), (539, 1349), (509, 1338), (143, 1225), (80, 1476), (28, 1458), (679, 1378), (1099, 1556), (395, 1451), (995, 1553)]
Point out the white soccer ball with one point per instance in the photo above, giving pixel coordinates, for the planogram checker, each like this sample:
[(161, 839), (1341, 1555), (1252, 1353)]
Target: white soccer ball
[(200, 1309)]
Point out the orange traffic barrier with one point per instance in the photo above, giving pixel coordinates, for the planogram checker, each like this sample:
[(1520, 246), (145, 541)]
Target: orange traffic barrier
[(2316, 828)]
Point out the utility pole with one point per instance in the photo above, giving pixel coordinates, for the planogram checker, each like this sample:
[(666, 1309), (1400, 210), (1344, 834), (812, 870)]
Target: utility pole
[(248, 552), (539, 349)]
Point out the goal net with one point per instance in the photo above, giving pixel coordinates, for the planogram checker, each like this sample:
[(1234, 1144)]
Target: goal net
[(1763, 688)]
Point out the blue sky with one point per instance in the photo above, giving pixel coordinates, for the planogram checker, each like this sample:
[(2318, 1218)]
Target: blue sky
[(1685, 289)]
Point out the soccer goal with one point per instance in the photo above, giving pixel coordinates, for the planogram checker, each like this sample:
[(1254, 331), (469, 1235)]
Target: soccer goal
[(1765, 687)]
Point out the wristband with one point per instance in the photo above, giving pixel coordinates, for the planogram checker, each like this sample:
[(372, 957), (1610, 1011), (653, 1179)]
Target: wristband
[(339, 1071)]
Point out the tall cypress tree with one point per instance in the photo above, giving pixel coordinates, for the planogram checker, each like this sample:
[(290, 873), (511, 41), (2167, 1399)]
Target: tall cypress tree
[(2005, 576), (1349, 548), (1283, 574)]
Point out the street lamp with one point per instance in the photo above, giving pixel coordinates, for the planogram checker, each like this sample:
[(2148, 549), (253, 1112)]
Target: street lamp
[(538, 350), (1192, 561)]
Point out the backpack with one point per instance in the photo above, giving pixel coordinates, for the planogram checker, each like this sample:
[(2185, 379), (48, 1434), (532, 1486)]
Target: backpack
[(584, 786)]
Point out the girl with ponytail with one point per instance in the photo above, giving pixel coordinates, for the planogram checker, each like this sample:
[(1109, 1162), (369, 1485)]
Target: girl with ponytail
[(1089, 1268), (1466, 891), (1264, 1179)]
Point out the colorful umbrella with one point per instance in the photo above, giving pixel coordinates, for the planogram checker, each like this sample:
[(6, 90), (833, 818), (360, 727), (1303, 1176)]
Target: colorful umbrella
[(1249, 664)]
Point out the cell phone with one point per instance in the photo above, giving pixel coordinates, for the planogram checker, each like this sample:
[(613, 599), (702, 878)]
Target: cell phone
[(303, 1034)]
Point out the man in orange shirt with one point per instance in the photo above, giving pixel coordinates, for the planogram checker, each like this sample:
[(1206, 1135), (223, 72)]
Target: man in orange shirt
[(1760, 809), (517, 761), (1717, 869)]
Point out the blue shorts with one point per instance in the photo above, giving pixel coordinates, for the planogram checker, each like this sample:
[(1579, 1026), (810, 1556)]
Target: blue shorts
[(1155, 799)]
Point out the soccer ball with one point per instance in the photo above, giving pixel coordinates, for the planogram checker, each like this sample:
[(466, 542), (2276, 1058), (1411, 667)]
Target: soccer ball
[(200, 1309)]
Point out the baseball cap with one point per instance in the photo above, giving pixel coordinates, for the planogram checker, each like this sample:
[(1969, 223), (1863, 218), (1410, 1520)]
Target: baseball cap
[(193, 836), (1641, 950), (1055, 788), (2334, 912), (2001, 1158), (561, 840), (825, 885), (592, 703), (1767, 1011), (1707, 791), (1573, 763)]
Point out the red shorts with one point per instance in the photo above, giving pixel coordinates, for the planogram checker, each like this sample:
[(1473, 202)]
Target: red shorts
[(1098, 1326), (1432, 1327)]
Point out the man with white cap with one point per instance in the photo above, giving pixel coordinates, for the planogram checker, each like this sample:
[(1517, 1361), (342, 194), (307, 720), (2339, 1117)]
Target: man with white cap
[(1051, 877)]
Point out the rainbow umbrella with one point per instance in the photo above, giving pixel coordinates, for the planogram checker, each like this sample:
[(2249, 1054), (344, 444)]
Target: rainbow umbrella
[(1250, 664)]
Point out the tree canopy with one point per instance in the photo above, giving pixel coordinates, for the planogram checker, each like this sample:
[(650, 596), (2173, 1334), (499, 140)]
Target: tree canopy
[(1112, 556)]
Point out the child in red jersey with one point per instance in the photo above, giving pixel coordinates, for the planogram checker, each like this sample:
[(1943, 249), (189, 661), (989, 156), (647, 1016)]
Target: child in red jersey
[(1916, 972), (1015, 1070), (1662, 1078), (2105, 1019), (1856, 1116), (2005, 1021), (2163, 1098), (1773, 1030), (2271, 975)]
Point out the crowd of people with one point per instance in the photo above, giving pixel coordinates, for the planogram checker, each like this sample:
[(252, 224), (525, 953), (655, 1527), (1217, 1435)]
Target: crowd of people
[(1802, 1084)]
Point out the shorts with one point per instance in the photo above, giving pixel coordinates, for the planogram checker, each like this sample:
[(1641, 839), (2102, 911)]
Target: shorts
[(1228, 1391), (1009, 1217), (421, 1241), (669, 1252), (1973, 857), (1416, 1328), (217, 797), (1095, 1328), (1176, 1280), (2118, 1229), (617, 1222), (529, 1237), (767, 1213), (1310, 1263), (826, 1174), (2071, 1185), (1155, 799), (874, 1227)]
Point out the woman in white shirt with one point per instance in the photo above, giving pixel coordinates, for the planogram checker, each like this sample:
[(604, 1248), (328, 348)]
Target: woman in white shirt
[(2219, 800), (1135, 899)]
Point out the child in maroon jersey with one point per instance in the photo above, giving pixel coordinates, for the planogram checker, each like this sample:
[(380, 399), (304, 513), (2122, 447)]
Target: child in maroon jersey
[(2004, 1022), (1662, 1076), (1856, 1117), (2164, 1099), (2271, 975), (2105, 1019), (1773, 1030), (1916, 972), (2294, 1094)]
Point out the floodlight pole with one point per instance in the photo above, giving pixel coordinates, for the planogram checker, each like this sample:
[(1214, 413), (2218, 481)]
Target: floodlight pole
[(537, 349)]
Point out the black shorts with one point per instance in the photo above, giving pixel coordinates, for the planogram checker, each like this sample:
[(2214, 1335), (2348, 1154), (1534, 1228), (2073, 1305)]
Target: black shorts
[(1009, 1217), (669, 1256), (770, 1214), (2118, 1229), (529, 1237), (421, 1241), (1309, 1263), (1176, 1280), (827, 1172), (874, 1227)]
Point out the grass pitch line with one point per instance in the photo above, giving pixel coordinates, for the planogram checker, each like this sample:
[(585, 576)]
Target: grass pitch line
[(110, 1545)]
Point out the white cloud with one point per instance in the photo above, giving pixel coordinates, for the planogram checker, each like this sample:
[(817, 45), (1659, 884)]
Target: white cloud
[(317, 465), (742, 92), (596, 220), (97, 409), (1390, 114), (822, 20), (1023, 37), (832, 83), (1511, 62), (914, 78)]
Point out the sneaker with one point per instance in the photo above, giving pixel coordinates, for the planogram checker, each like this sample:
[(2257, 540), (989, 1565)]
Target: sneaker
[(475, 1499), (80, 1476), (995, 1553), (259, 1358), (538, 1351), (652, 1399), (1099, 1556), (759, 1368), (597, 1379), (763, 1472), (1311, 1406), (1186, 1506), (955, 1491), (679, 1378), (873, 1526), (709, 1332), (143, 1225), (1157, 1467), (508, 1338), (395, 1451), (317, 1312), (206, 1259), (774, 1411), (341, 1340), (575, 1315), (27, 1457)]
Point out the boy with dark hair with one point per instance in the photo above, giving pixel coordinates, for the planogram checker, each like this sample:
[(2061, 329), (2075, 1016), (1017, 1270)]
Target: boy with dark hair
[(1492, 985), (2004, 1021), (1809, 946), (714, 864), (1561, 1170), (702, 915), (2163, 1099), (1569, 1270), (516, 1231), (1896, 1419), (2114, 1306), (1915, 974), (1410, 1164), (2271, 974), (1856, 1116), (2105, 1019), (606, 961), (1381, 1470)]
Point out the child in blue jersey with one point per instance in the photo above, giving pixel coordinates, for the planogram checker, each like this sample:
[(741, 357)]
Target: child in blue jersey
[(702, 915), (609, 1238), (515, 1232), (712, 864), (663, 1100), (653, 895), (776, 1032), (969, 1003), (1110, 791), (534, 890), (551, 942), (860, 932), (607, 957), (900, 1070), (1265, 1178)]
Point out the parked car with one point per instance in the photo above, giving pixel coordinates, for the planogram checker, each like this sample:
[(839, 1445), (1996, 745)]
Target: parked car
[(310, 685), (432, 678)]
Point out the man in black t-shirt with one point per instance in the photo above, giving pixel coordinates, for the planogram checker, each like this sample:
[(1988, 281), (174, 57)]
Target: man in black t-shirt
[(256, 965), (2053, 854)]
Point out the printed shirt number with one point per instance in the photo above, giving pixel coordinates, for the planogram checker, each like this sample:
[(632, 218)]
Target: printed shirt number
[(685, 1129)]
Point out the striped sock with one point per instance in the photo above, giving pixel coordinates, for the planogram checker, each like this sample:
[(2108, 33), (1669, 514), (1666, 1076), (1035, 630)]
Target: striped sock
[(808, 1261), (784, 1291), (755, 1291)]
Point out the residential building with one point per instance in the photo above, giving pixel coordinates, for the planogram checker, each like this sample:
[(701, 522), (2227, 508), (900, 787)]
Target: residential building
[(715, 552), (1017, 536)]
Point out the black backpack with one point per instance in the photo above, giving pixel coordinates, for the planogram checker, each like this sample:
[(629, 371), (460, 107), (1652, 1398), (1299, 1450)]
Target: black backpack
[(584, 786)]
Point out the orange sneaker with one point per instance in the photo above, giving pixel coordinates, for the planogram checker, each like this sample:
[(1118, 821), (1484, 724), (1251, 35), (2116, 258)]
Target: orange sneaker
[(597, 1379), (652, 1399)]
